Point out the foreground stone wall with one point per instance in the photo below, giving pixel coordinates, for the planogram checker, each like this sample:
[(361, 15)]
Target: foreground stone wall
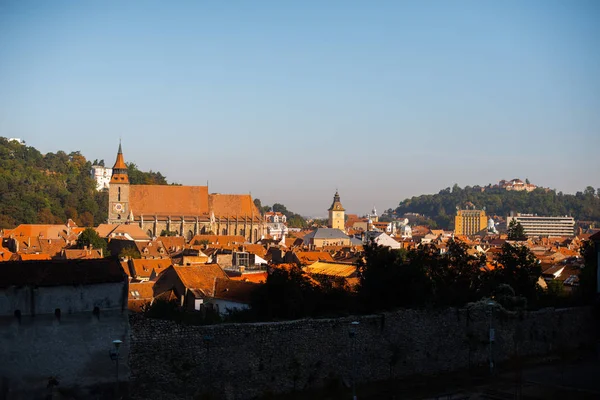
[(73, 349), (240, 361)]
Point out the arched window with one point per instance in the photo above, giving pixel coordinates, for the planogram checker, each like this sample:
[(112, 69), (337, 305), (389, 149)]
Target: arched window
[(224, 232), (190, 235), (119, 195), (57, 313), (242, 232)]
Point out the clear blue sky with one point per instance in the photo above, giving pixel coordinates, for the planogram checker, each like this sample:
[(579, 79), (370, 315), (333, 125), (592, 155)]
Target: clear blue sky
[(291, 100)]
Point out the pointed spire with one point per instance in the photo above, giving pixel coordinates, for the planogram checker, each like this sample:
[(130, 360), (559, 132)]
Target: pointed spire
[(119, 174)]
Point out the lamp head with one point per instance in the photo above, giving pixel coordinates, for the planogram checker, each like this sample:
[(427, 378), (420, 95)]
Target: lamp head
[(352, 328), (117, 343)]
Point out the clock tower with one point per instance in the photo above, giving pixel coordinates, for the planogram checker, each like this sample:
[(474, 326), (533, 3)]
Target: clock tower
[(118, 191), (336, 213)]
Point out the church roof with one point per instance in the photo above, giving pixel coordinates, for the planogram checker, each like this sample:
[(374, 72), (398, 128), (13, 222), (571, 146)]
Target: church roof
[(231, 205), (150, 200)]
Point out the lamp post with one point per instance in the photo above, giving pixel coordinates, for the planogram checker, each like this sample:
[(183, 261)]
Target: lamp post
[(114, 355), (492, 334), (352, 334)]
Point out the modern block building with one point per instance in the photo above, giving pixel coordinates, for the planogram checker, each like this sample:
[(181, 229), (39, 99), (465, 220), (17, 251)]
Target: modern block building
[(535, 225), (469, 222)]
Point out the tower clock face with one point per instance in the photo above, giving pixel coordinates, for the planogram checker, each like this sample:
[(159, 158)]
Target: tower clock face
[(118, 207)]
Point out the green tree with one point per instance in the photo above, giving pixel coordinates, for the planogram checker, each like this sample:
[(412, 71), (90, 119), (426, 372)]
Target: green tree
[(518, 268), (89, 238), (516, 231), (388, 281), (588, 276)]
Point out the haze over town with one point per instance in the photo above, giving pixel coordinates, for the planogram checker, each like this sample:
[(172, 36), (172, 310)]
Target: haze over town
[(291, 102)]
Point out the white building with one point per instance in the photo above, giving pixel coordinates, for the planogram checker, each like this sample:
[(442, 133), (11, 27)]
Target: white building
[(381, 239), (102, 176), (276, 224), (535, 225)]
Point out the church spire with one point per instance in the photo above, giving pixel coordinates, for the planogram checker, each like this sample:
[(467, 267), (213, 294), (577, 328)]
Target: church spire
[(119, 173)]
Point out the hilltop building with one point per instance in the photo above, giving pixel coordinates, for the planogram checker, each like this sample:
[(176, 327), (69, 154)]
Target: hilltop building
[(184, 210), (336, 213), (534, 225), (102, 176), (469, 222)]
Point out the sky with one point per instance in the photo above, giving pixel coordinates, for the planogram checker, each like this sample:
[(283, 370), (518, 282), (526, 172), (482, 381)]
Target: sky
[(290, 100)]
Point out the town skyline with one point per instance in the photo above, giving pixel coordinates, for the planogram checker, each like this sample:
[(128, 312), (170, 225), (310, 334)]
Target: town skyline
[(290, 103)]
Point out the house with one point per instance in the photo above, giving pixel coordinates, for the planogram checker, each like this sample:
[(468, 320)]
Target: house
[(325, 237), (143, 269), (140, 295), (382, 239), (59, 319), (231, 295), (190, 284), (122, 231), (347, 272)]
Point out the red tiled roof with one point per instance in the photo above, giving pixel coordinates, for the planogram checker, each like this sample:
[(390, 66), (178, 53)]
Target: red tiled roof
[(238, 291), (200, 277), (233, 205), (160, 200), (144, 267)]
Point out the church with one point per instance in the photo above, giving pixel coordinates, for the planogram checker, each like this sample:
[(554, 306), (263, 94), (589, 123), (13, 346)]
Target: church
[(184, 210)]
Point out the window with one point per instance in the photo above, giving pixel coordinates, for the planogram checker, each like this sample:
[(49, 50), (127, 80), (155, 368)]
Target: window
[(96, 312), (57, 313), (119, 195), (18, 315)]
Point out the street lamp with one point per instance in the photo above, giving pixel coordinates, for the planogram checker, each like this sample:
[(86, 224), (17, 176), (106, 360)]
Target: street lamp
[(492, 334), (352, 334), (114, 355)]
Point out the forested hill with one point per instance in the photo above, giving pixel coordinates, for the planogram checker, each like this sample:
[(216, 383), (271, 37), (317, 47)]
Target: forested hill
[(38, 188), (441, 207)]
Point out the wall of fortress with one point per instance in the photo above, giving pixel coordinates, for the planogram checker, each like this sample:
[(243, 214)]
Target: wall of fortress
[(239, 361)]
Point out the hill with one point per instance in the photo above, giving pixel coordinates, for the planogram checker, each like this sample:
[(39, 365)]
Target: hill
[(38, 188), (441, 207)]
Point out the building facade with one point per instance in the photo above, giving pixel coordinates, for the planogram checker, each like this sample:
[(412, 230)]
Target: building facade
[(469, 222), (102, 176), (535, 225), (183, 210), (336, 213)]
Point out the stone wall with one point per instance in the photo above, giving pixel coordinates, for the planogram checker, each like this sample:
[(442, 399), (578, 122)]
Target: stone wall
[(240, 361), (73, 348)]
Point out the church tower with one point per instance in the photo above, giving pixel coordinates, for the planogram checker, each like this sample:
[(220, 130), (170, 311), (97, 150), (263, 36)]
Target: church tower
[(118, 191), (336, 213)]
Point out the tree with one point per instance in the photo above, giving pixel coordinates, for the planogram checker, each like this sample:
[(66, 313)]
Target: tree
[(516, 231), (518, 268), (89, 238), (387, 281), (588, 276)]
